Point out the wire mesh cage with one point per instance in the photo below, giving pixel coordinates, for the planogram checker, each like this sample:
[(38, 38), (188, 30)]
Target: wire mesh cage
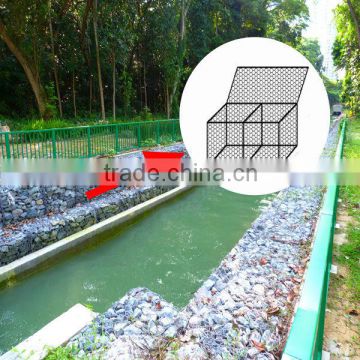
[(260, 117)]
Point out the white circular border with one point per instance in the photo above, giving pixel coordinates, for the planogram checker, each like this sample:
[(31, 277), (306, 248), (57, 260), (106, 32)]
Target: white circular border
[(207, 89)]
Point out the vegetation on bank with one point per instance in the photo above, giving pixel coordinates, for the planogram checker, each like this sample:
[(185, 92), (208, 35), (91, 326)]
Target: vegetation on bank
[(41, 124), (346, 52), (349, 253)]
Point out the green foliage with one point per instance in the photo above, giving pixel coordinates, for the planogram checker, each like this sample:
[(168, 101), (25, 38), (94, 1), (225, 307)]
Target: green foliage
[(51, 99), (146, 114), (89, 306), (288, 19), (45, 124), (350, 256), (146, 46), (165, 140), (310, 48), (346, 55), (333, 89), (61, 353), (148, 142), (352, 145), (349, 252)]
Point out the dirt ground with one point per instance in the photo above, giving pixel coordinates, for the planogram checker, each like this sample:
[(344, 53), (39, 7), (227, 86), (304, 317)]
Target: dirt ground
[(342, 321)]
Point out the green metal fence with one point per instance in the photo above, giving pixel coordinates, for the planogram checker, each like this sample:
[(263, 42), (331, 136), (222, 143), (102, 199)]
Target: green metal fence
[(305, 340), (87, 141)]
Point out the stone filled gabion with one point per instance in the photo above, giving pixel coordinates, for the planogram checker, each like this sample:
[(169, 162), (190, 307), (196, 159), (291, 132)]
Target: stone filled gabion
[(242, 311), (137, 321), (18, 203), (32, 217), (46, 230)]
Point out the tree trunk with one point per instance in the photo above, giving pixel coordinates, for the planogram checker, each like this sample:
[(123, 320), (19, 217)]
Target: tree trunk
[(82, 26), (101, 90), (167, 102), (55, 67), (114, 84), (145, 89), (356, 21), (90, 93), (140, 90), (30, 72), (184, 9), (74, 94), (185, 4)]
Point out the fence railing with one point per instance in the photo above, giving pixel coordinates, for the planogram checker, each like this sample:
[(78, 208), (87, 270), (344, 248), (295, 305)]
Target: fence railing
[(87, 141), (305, 340)]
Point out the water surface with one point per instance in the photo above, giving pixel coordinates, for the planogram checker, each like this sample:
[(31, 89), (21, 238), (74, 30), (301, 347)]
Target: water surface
[(170, 250)]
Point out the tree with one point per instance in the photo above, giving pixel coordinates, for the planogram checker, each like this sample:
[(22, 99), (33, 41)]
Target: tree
[(21, 24), (54, 60), (142, 51), (183, 9), (346, 52), (310, 48), (288, 18), (356, 20), (98, 63), (117, 38), (333, 89)]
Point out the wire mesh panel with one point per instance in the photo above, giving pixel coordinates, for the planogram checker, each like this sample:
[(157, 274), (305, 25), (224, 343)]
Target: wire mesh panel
[(260, 117)]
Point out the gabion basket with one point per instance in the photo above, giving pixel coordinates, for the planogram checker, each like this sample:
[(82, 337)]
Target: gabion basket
[(260, 117)]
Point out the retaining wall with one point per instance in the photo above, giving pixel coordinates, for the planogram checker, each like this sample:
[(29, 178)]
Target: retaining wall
[(39, 233), (20, 203)]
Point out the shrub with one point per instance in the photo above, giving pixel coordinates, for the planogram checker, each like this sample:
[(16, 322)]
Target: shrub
[(49, 124)]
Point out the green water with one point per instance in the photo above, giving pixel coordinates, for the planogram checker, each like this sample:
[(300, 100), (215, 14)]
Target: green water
[(171, 250)]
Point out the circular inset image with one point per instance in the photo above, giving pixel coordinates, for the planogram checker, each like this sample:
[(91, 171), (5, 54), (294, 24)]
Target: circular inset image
[(254, 98)]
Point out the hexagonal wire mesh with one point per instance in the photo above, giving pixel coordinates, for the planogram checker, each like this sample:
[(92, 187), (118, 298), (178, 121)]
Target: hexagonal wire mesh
[(260, 117)]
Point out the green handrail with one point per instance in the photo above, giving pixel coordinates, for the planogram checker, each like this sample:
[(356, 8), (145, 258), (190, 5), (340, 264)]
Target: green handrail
[(87, 141), (307, 331)]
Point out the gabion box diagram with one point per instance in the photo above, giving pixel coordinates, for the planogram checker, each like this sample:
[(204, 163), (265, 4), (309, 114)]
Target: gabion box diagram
[(260, 117)]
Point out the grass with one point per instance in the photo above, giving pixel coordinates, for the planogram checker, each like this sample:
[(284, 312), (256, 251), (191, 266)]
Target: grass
[(40, 124), (349, 253), (352, 143), (61, 353)]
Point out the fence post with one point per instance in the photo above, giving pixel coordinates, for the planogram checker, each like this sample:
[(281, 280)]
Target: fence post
[(158, 132), (53, 140), (7, 145), (139, 135), (117, 144), (89, 141)]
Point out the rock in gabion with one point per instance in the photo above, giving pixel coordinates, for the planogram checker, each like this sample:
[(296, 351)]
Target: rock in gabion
[(46, 230), (34, 217)]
